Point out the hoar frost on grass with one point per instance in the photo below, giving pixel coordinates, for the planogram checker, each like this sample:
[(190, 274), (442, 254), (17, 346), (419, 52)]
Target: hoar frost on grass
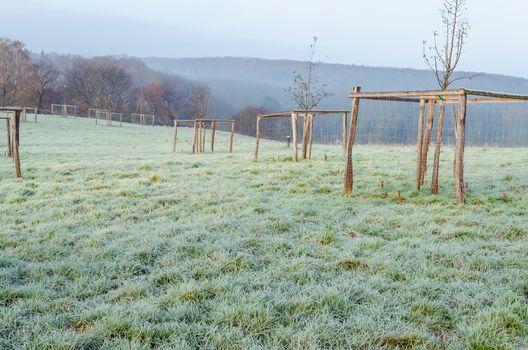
[(112, 241)]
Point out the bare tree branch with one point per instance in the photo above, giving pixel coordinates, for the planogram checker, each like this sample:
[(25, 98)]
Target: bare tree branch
[(443, 61), (306, 91)]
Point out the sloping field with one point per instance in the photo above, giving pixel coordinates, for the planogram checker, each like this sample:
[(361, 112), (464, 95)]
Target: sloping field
[(113, 242)]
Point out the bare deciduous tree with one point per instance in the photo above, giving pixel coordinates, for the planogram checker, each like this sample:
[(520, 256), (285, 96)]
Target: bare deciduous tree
[(246, 121), (306, 91), (46, 75), (153, 94), (15, 77), (198, 101), (99, 83), (443, 56), (443, 59)]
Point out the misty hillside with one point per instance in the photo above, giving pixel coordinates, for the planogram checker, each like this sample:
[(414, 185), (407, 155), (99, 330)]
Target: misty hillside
[(251, 81)]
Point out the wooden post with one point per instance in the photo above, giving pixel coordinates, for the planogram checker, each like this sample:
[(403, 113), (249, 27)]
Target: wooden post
[(310, 135), (349, 171), (344, 134), (16, 142), (8, 137), (427, 139), (304, 142), (460, 132), (231, 139), (257, 137), (174, 136), (96, 116), (195, 137), (420, 143), (213, 131), (438, 146), (120, 119), (204, 128), (294, 134), (199, 137), (153, 120)]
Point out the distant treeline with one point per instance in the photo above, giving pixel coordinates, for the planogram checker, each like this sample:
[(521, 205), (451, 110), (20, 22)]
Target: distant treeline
[(115, 84), (128, 85)]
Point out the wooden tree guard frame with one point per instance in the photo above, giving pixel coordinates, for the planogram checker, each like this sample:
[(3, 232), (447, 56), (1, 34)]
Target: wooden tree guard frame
[(199, 135), (307, 131), (461, 97), (27, 110), (13, 135)]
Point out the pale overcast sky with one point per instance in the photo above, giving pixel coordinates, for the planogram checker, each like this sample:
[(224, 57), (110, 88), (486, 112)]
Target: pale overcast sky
[(373, 33)]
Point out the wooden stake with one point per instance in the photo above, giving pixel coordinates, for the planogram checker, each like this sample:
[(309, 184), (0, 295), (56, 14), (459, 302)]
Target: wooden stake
[(427, 139), (504, 197), (204, 128), (232, 137), (213, 131), (304, 149), (460, 132), (199, 138), (438, 146), (420, 143), (294, 133), (195, 137), (349, 171), (382, 184), (344, 133), (310, 135), (8, 138), (398, 196), (174, 137), (257, 137), (16, 142)]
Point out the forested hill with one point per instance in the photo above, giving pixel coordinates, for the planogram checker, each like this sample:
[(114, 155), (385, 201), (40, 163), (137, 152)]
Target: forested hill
[(251, 81)]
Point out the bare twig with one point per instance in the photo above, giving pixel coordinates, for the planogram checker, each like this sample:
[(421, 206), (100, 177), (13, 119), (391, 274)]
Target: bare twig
[(306, 91), (443, 60)]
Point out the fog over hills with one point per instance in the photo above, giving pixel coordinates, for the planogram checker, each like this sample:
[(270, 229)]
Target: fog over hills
[(240, 82)]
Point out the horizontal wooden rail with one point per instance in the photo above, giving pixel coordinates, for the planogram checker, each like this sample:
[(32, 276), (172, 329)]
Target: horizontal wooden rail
[(403, 94), (204, 120)]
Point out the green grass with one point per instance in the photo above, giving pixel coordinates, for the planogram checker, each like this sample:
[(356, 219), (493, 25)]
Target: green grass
[(113, 242)]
